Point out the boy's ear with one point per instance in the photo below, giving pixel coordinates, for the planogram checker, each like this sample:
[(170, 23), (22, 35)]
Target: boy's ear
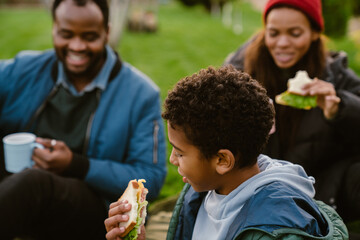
[(225, 161)]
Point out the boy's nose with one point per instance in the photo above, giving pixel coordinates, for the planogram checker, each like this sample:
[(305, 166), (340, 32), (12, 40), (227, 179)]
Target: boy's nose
[(173, 159)]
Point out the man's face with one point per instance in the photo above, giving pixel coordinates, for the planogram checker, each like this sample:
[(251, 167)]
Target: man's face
[(79, 37)]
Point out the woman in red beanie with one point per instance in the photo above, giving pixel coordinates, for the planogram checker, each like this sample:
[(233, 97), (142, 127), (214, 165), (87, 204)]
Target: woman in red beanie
[(326, 139)]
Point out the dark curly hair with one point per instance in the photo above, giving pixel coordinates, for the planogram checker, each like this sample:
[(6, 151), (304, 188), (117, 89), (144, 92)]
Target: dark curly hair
[(102, 4), (222, 109)]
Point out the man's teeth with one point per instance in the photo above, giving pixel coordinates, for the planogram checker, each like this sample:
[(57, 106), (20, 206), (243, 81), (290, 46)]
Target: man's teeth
[(76, 57)]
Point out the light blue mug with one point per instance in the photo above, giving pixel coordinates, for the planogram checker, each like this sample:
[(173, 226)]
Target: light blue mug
[(18, 150)]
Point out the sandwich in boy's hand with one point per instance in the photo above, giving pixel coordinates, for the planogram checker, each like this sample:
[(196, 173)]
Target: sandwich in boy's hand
[(135, 194), (293, 96)]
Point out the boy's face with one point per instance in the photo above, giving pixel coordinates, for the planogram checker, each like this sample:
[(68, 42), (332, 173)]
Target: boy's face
[(195, 169)]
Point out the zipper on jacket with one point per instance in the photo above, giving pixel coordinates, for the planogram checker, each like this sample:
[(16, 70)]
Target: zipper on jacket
[(40, 109), (155, 138), (90, 122)]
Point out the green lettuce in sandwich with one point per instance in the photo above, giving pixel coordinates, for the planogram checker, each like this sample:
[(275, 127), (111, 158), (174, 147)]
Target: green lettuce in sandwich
[(293, 96)]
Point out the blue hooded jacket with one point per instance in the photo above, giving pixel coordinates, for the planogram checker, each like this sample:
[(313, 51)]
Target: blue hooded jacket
[(276, 202)]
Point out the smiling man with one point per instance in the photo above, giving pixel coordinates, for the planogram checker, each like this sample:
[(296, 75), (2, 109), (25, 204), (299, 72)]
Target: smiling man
[(79, 35), (98, 118)]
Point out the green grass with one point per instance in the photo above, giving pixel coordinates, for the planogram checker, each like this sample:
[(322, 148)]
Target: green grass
[(188, 39), (24, 29)]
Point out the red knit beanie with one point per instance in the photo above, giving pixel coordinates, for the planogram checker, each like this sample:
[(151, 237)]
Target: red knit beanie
[(312, 8)]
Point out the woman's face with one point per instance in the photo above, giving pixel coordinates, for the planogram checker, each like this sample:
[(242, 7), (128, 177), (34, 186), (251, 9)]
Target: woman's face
[(288, 36)]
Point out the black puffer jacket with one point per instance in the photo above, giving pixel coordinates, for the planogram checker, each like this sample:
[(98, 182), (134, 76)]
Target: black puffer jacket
[(324, 148)]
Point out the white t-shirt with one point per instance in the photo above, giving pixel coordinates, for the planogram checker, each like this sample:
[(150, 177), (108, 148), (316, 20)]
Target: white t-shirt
[(212, 222)]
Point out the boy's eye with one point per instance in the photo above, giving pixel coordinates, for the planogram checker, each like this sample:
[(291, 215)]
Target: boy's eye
[(178, 154)]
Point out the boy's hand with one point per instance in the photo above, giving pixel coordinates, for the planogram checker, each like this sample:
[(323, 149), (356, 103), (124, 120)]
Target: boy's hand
[(116, 215)]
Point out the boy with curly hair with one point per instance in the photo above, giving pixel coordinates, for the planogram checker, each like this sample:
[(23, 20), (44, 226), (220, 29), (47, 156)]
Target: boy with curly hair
[(218, 122)]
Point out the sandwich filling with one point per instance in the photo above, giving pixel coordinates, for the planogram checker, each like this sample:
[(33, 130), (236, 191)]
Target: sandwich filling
[(296, 101), (294, 97), (140, 208)]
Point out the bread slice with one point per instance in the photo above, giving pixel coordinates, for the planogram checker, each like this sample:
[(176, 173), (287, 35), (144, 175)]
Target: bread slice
[(130, 194), (296, 84), (279, 100), (135, 194)]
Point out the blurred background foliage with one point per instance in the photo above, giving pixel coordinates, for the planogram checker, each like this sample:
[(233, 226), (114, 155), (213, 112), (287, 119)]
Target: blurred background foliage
[(336, 16), (336, 13)]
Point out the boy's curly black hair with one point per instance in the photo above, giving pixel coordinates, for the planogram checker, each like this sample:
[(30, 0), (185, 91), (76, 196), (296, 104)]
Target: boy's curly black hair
[(222, 109)]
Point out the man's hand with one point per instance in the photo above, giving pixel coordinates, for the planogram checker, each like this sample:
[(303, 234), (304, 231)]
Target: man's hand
[(326, 97), (56, 156), (117, 214)]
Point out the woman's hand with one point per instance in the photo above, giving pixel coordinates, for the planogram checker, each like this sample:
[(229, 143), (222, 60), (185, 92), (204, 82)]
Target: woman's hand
[(117, 214), (326, 96)]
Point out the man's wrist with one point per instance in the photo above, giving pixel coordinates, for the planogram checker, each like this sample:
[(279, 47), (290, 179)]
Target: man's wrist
[(78, 167)]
